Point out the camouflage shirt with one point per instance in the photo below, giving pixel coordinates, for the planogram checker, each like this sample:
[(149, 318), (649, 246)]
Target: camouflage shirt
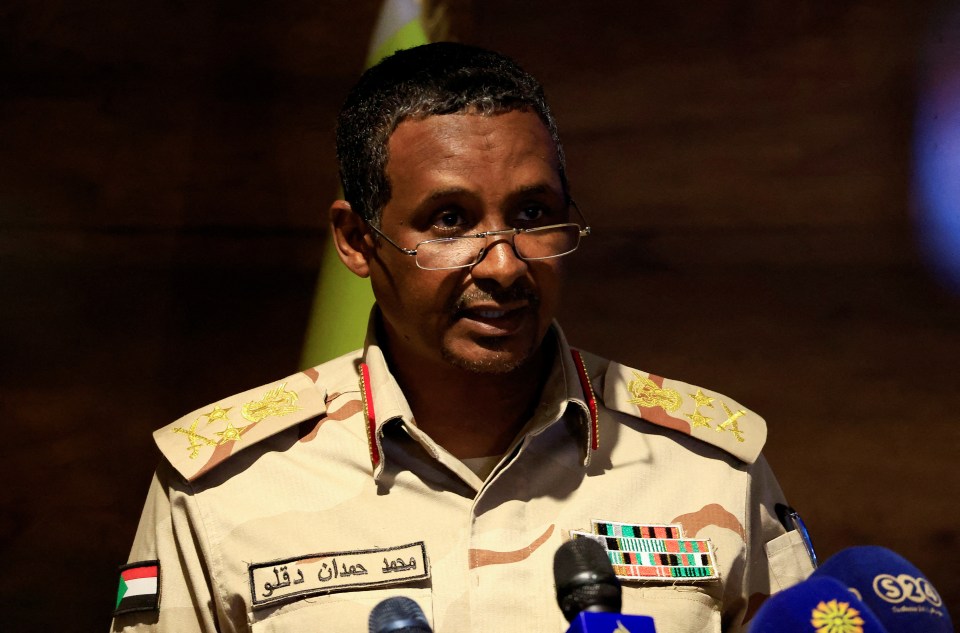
[(299, 505)]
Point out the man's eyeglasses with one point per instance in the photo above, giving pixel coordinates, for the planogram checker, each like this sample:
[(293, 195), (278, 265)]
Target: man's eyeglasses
[(542, 242)]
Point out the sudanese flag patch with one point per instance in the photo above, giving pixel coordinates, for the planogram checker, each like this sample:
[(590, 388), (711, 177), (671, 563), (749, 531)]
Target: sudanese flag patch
[(139, 588)]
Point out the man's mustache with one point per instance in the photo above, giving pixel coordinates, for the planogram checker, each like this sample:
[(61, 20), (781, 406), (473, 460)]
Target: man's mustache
[(513, 294)]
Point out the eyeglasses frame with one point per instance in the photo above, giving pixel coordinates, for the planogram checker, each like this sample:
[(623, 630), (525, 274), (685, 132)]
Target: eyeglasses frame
[(584, 231)]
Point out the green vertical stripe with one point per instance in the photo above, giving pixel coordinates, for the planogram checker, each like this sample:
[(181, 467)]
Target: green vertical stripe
[(121, 590)]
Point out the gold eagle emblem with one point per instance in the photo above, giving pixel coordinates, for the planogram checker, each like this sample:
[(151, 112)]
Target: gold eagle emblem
[(276, 402), (647, 393)]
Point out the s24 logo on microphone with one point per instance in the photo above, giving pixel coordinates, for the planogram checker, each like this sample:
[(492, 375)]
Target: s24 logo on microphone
[(897, 589)]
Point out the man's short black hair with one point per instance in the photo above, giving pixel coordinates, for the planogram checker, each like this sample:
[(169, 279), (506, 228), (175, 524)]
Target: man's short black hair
[(433, 79)]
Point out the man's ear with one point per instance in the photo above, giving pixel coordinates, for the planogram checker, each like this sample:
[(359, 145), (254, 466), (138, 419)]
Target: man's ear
[(351, 238)]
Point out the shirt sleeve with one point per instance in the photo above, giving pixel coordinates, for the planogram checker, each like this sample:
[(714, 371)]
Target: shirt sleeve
[(776, 558), (167, 534)]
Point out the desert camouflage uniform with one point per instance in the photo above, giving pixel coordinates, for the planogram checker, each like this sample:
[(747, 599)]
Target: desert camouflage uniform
[(299, 505)]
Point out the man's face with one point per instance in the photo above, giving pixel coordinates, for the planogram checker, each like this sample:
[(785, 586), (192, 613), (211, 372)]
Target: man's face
[(463, 174)]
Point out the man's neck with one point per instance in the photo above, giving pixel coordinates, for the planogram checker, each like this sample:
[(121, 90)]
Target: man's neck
[(470, 413)]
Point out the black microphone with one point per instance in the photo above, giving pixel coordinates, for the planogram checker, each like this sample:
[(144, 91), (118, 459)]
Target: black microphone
[(588, 591), (398, 615), (585, 579)]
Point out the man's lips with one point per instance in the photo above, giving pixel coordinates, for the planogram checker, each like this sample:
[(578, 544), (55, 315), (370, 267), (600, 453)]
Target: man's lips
[(491, 311), (497, 313), (495, 319)]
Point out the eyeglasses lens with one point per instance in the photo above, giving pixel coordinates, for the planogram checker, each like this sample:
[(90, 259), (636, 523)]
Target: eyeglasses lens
[(450, 253), (457, 252), (548, 242)]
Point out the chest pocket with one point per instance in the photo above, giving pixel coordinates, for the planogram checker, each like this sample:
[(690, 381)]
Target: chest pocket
[(677, 609), (789, 561), (346, 611)]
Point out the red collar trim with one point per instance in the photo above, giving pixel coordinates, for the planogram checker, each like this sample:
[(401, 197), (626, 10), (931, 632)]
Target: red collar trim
[(590, 397), (368, 411)]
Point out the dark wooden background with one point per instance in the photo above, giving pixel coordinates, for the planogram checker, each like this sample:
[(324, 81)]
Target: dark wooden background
[(165, 169)]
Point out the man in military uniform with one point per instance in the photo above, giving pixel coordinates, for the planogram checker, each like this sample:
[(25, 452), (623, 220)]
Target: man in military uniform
[(449, 458)]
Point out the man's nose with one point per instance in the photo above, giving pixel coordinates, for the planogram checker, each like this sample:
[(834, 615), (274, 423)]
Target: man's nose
[(500, 263)]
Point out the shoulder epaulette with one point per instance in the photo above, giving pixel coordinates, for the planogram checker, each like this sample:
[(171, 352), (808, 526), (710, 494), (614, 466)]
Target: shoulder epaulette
[(701, 413), (205, 438)]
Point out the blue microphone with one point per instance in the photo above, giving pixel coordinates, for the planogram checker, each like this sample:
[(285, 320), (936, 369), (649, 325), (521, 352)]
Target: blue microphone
[(816, 604), (895, 590), (589, 593)]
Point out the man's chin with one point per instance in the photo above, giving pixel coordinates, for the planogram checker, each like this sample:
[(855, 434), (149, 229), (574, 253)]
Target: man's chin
[(488, 358)]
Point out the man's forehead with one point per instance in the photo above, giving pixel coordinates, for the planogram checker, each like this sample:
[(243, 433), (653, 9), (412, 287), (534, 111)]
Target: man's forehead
[(498, 158), (506, 136)]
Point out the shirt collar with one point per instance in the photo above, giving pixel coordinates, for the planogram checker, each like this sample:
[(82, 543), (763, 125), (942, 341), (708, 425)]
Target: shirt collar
[(568, 384)]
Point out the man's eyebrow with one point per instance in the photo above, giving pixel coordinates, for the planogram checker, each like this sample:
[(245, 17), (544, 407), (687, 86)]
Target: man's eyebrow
[(441, 195), (539, 190), (535, 189), (446, 192), (455, 191)]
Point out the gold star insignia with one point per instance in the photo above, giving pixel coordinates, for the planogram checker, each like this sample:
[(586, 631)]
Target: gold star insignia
[(217, 414), (229, 434), (702, 399), (699, 419)]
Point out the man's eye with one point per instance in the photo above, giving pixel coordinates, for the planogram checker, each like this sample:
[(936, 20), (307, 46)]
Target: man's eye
[(532, 213), (449, 220)]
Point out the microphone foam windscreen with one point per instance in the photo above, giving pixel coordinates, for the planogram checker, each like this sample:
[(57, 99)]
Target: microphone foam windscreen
[(815, 605), (895, 590), (585, 579), (398, 615)]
